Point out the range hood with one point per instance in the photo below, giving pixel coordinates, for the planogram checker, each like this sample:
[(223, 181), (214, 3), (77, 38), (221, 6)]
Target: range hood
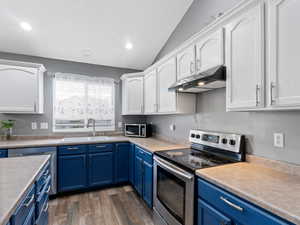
[(213, 78)]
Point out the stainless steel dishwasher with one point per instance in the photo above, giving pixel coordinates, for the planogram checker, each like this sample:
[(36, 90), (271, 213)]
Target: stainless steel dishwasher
[(18, 152)]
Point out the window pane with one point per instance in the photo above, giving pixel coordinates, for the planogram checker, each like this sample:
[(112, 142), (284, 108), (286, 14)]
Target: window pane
[(78, 98)]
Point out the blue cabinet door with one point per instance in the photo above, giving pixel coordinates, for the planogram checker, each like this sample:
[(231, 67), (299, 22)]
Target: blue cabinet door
[(131, 164), (207, 215), (100, 169), (3, 153), (148, 183), (72, 172), (122, 162), (139, 171)]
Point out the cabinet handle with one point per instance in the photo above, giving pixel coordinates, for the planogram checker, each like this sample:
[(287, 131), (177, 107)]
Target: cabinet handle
[(72, 148), (257, 95), (232, 204), (29, 202), (100, 146), (198, 64), (272, 86), (48, 190), (191, 67), (46, 207)]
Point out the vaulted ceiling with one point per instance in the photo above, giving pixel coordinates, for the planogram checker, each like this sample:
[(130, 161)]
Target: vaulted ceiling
[(91, 31)]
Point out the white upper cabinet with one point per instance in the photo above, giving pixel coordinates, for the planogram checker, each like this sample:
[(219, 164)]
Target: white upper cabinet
[(284, 54), (21, 87), (210, 51), (133, 94), (245, 59), (186, 62), (166, 76), (150, 92)]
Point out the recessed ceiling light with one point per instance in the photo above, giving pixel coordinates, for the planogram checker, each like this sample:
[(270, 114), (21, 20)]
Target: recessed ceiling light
[(128, 46), (26, 26), (201, 83)]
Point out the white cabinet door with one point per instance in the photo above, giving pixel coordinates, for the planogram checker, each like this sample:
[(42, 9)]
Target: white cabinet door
[(186, 63), (284, 49), (166, 75), (18, 89), (150, 92), (134, 95), (210, 51), (245, 60)]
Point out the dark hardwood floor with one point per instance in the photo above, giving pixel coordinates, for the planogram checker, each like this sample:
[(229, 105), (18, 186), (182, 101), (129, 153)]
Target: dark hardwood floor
[(112, 206)]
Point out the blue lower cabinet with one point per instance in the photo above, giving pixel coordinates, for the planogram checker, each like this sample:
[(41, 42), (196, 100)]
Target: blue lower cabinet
[(131, 164), (139, 173), (122, 162), (226, 207), (72, 172), (207, 215), (100, 169), (44, 216), (3, 153), (143, 174), (30, 220), (23, 213), (148, 183)]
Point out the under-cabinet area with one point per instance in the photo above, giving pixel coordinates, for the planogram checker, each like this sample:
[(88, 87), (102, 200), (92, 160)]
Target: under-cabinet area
[(149, 112)]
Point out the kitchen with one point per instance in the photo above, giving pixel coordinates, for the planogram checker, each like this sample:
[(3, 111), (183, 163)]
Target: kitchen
[(186, 117)]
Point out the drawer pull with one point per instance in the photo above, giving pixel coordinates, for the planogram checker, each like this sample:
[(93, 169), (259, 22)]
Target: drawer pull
[(46, 173), (232, 204), (46, 207), (48, 190), (73, 148), (100, 146), (29, 202)]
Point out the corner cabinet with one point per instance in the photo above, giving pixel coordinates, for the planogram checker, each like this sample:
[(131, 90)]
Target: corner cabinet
[(22, 84), (132, 94), (284, 54), (245, 59)]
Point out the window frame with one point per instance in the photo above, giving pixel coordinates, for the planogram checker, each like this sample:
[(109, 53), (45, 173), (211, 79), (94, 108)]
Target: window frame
[(82, 130)]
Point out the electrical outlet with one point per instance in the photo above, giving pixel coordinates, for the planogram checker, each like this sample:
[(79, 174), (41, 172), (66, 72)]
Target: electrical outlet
[(120, 124), (44, 125), (34, 125), (279, 140)]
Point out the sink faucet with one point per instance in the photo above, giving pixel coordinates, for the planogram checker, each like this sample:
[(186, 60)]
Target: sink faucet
[(93, 121)]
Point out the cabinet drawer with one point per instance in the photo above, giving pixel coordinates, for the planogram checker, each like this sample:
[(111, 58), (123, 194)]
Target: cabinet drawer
[(3, 153), (95, 148), (24, 208), (234, 207), (43, 178), (72, 149), (42, 198), (43, 217), (145, 155)]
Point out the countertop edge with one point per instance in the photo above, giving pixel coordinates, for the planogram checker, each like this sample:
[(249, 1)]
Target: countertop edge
[(264, 205), (7, 217)]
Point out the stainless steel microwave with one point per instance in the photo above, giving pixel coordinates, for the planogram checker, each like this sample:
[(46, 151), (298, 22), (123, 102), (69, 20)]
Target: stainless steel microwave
[(138, 130)]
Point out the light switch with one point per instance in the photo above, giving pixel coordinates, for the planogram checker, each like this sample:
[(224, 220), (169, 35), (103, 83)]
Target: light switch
[(44, 125), (34, 125), (279, 140)]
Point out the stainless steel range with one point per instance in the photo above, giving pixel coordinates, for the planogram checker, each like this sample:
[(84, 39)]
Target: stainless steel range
[(174, 173)]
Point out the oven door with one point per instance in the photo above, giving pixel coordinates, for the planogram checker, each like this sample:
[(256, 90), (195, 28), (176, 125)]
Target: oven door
[(173, 193)]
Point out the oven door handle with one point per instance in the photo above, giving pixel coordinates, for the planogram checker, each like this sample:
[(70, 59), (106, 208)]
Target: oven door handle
[(174, 169)]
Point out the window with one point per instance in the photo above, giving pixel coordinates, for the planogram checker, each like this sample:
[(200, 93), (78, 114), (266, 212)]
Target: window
[(78, 98)]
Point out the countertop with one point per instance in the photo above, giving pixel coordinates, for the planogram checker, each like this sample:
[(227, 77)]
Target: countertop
[(275, 191), (16, 177), (150, 144)]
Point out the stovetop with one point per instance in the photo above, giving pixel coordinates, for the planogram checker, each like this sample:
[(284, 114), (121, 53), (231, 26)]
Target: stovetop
[(193, 159)]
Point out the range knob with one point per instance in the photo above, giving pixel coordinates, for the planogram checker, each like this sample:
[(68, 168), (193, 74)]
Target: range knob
[(232, 142), (224, 141), (192, 135), (198, 136)]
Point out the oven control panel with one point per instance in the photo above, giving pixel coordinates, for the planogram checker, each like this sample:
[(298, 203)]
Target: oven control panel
[(225, 141)]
